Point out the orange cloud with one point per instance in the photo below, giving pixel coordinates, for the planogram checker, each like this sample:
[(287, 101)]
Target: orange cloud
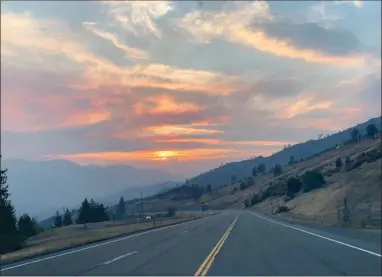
[(303, 106), (164, 104), (208, 141), (179, 130), (31, 42), (150, 155), (262, 42)]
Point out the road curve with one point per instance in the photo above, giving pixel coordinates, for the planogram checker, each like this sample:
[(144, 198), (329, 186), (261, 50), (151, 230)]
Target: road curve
[(233, 243)]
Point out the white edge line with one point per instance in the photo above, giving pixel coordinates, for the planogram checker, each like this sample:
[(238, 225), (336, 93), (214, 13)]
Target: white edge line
[(319, 236), (94, 246)]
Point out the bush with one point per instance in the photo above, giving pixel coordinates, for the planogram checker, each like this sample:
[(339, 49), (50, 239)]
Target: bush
[(282, 209), (255, 199), (277, 170), (247, 203), (171, 211), (293, 186), (243, 186), (371, 130), (312, 180)]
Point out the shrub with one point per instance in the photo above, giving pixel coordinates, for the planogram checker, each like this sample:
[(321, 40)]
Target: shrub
[(312, 180), (339, 162), (277, 170), (371, 130), (282, 209), (293, 186), (247, 203), (243, 186), (255, 199)]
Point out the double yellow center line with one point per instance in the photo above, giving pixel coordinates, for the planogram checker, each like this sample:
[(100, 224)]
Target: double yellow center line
[(203, 269)]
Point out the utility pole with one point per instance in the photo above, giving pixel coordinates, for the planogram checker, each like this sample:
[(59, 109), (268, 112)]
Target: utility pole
[(141, 206)]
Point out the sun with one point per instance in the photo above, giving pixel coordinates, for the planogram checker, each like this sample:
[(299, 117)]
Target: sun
[(164, 155)]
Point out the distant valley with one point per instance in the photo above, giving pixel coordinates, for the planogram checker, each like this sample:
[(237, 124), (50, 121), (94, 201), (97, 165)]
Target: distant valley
[(40, 188)]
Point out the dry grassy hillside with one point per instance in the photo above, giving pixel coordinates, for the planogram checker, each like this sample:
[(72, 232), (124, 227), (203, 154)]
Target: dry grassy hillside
[(359, 181)]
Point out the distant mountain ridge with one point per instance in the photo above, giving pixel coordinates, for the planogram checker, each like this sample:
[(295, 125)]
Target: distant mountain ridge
[(222, 175), (40, 188)]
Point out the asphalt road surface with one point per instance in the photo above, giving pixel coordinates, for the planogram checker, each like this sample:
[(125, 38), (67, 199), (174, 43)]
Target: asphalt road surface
[(233, 243)]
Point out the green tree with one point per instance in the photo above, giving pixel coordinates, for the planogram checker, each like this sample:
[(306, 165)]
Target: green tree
[(254, 171), (57, 220), (208, 188), (121, 208), (293, 186), (355, 134), (312, 180), (255, 199), (277, 170), (371, 130), (67, 218), (9, 236), (243, 186), (84, 213), (26, 226), (262, 168)]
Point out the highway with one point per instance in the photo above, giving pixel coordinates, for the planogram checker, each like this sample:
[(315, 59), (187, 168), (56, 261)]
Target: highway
[(232, 243)]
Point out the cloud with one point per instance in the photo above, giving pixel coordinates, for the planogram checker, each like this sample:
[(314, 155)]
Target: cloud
[(30, 37), (154, 80), (151, 155), (131, 53), (254, 25), (138, 17), (356, 3), (179, 130), (26, 103), (332, 42), (211, 141), (162, 104)]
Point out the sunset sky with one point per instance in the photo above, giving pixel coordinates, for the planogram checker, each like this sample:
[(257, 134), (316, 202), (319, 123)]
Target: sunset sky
[(183, 86)]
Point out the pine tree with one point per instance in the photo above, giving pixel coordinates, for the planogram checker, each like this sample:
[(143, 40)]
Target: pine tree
[(9, 237), (26, 225), (261, 168), (67, 218), (84, 213), (121, 209), (57, 220)]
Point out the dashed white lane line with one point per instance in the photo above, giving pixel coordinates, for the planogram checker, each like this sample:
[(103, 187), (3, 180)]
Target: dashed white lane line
[(185, 231), (319, 236), (119, 257)]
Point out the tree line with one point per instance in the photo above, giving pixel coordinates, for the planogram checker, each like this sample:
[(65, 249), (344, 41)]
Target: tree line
[(13, 231)]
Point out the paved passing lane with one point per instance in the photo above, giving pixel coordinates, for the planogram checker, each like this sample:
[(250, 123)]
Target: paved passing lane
[(233, 243)]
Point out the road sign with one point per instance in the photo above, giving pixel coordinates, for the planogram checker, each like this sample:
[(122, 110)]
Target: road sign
[(204, 206)]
